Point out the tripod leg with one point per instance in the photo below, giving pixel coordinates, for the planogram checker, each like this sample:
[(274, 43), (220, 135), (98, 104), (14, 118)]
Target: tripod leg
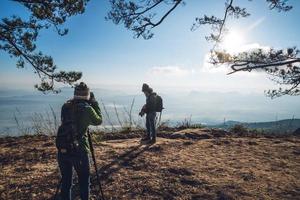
[(98, 179), (95, 164)]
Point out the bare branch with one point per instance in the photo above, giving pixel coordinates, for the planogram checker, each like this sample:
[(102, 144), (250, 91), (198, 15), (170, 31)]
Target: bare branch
[(223, 22), (139, 17), (247, 65), (283, 66)]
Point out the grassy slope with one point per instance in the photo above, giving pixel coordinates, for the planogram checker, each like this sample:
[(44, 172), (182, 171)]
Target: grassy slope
[(180, 168)]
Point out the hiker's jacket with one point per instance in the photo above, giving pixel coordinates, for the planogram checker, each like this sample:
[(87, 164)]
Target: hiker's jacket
[(86, 114), (150, 103)]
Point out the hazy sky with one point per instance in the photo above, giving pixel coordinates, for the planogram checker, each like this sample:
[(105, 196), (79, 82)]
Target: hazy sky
[(173, 60)]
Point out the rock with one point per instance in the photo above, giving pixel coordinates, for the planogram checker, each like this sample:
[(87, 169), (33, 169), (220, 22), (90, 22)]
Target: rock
[(191, 134), (219, 133), (177, 135), (198, 135)]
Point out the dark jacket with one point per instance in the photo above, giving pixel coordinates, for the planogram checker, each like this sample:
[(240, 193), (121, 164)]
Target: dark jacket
[(150, 103)]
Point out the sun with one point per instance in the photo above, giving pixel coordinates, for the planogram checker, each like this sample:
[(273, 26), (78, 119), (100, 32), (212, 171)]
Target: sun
[(233, 41)]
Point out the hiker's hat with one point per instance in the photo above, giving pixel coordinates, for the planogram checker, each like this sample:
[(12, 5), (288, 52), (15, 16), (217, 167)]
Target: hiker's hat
[(145, 87), (82, 91)]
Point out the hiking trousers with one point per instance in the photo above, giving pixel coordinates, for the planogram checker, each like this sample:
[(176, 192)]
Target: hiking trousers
[(80, 162), (150, 125)]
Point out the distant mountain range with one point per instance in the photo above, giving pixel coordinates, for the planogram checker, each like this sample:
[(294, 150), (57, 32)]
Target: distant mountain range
[(286, 125), (209, 108)]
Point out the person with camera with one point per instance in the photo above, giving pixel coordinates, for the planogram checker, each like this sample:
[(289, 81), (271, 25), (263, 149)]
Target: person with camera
[(72, 140), (150, 110)]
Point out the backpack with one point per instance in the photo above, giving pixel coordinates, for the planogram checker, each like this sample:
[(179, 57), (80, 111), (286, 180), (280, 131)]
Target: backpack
[(158, 104), (67, 134)]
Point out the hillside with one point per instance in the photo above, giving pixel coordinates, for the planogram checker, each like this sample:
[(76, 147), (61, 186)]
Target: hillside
[(281, 126), (186, 164)]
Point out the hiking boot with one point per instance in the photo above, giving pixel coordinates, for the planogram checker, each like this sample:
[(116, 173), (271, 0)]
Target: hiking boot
[(153, 141), (145, 138)]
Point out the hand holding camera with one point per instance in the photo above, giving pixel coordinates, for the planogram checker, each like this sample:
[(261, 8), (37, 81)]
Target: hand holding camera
[(92, 101), (92, 97), (143, 111)]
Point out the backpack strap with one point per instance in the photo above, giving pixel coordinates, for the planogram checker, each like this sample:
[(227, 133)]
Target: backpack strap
[(75, 137)]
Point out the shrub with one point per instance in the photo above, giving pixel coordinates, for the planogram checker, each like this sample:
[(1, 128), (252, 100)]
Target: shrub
[(187, 123), (239, 129)]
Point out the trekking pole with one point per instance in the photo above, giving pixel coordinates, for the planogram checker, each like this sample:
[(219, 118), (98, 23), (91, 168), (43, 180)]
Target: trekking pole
[(95, 164), (159, 119)]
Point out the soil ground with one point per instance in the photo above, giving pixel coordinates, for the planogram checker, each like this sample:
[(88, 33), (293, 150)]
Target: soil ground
[(189, 164)]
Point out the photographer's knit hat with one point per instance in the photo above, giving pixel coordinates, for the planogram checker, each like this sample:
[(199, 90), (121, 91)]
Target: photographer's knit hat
[(82, 91)]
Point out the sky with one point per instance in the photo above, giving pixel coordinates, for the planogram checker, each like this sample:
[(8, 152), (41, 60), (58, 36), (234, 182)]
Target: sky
[(173, 60)]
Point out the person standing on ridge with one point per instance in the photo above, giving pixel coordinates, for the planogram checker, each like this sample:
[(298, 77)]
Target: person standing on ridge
[(150, 110), (72, 140)]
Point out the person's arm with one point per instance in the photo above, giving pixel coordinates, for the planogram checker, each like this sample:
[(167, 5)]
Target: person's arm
[(95, 106), (94, 113), (62, 113), (147, 105), (143, 111)]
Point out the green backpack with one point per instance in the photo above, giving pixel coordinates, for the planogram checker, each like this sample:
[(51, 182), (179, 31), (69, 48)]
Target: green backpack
[(67, 135)]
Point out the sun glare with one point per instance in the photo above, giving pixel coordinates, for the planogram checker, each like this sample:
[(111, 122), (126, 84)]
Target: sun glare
[(233, 42)]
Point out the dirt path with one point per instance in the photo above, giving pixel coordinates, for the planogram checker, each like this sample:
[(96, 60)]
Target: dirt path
[(214, 168)]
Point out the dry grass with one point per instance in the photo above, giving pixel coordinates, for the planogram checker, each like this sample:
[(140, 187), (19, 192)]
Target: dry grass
[(222, 167)]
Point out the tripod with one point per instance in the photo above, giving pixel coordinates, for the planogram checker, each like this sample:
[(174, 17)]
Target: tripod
[(95, 164)]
